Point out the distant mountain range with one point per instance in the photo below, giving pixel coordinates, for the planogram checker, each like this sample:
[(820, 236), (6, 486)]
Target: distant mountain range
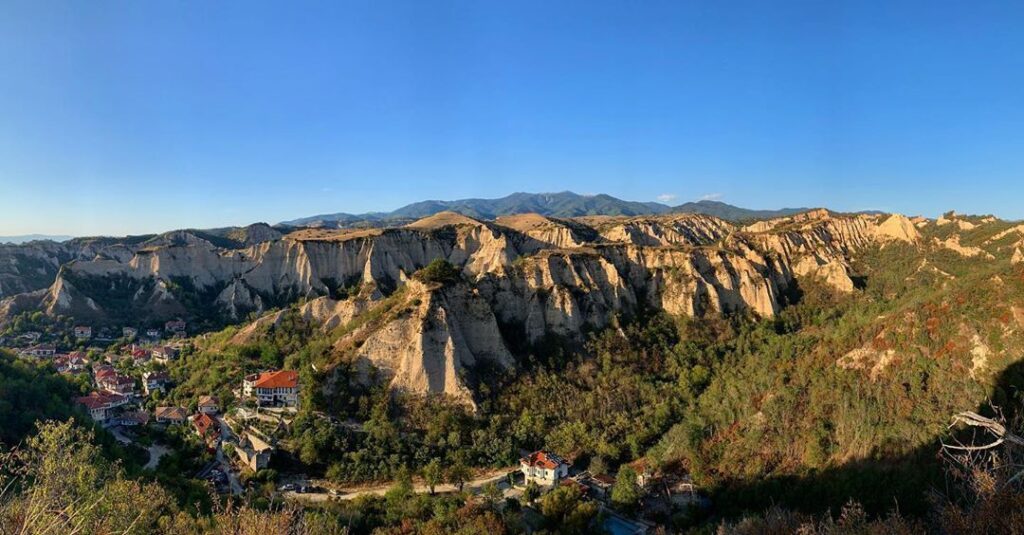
[(564, 204), (33, 237)]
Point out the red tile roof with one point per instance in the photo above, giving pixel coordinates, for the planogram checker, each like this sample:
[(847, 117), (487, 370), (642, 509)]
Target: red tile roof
[(206, 401), (98, 400), (171, 413), (204, 424), (278, 379), (543, 459)]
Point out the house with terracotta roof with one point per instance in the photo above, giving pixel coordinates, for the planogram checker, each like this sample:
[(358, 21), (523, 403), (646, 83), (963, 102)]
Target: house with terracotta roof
[(131, 418), (153, 381), (273, 388), (83, 332), (100, 404), (164, 354), (543, 467), (140, 356), (170, 415), (208, 404), (71, 363), (206, 427), (116, 383)]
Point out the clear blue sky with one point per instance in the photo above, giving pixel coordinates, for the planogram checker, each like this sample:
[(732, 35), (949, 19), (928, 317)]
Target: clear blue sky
[(130, 117)]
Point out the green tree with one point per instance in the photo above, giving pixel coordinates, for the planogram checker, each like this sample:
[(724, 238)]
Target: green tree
[(565, 510), (532, 491), (458, 475), (492, 494), (626, 493), (433, 474)]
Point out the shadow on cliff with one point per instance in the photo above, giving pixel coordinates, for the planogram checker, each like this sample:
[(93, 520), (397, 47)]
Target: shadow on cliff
[(881, 484)]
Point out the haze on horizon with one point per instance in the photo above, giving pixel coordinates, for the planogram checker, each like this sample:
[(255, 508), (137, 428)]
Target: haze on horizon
[(136, 118)]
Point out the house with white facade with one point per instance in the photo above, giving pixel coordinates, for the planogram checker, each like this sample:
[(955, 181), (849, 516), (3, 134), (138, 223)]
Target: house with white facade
[(273, 388), (83, 332), (41, 351), (208, 405), (164, 354), (544, 467), (101, 405), (153, 381)]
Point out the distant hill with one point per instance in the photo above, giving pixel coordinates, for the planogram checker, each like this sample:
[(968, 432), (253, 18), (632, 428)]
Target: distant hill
[(564, 204), (33, 237), (733, 213)]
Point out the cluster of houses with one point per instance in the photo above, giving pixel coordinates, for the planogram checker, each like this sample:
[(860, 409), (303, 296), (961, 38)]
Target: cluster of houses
[(28, 344), (172, 328), (115, 402), (548, 470)]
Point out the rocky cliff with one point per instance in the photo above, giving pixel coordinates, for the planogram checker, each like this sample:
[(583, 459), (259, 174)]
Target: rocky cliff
[(523, 277)]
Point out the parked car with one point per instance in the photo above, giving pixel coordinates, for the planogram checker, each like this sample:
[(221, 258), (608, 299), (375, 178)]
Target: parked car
[(288, 487)]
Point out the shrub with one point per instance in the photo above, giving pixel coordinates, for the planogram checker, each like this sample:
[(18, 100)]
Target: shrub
[(439, 271)]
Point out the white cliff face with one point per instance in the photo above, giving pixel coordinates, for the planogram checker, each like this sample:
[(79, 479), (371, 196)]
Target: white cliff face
[(531, 275), (430, 340), (685, 229)]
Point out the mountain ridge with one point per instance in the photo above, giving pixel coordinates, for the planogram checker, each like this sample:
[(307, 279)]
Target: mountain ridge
[(25, 238), (563, 204)]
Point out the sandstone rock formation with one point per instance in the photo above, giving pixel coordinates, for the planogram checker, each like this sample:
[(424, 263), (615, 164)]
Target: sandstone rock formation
[(523, 277)]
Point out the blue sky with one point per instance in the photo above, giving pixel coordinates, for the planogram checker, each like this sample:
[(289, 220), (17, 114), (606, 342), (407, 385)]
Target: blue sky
[(132, 117)]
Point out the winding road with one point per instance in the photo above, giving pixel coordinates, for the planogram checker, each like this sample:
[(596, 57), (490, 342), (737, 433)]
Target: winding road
[(474, 486)]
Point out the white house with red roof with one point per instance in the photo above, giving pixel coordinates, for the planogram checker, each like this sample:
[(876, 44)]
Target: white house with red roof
[(208, 404), (100, 404), (543, 467), (164, 354), (273, 388), (153, 381), (83, 332), (74, 362), (114, 382)]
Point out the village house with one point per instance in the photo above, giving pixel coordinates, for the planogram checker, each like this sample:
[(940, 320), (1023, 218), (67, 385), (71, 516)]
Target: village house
[(109, 380), (208, 405), (175, 326), (543, 467), (74, 362), (140, 356), (644, 473), (153, 381), (206, 427), (254, 452), (119, 384), (40, 350), (164, 354), (83, 332), (153, 333), (100, 405), (602, 485), (273, 388), (170, 415), (129, 333), (131, 418)]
